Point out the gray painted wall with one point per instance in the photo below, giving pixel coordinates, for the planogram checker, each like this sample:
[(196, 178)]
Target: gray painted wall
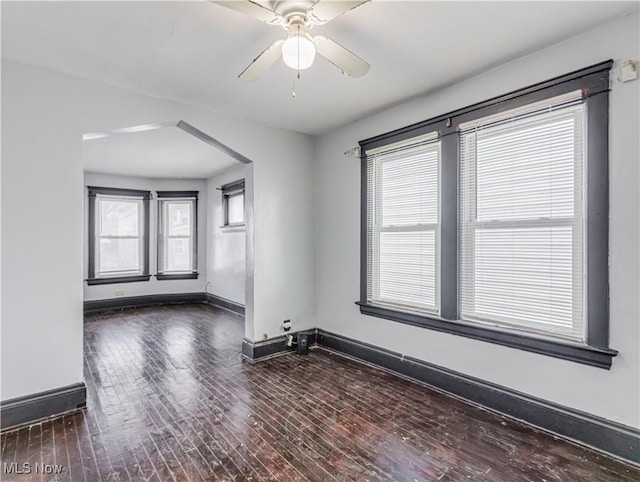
[(613, 394), (226, 247)]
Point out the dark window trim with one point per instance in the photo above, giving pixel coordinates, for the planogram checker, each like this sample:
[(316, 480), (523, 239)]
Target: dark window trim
[(232, 186), (593, 81), (597, 80), (179, 195), (114, 191), (110, 191), (117, 279), (230, 189), (176, 276), (567, 350)]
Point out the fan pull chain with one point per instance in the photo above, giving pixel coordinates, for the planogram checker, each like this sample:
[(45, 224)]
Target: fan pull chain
[(293, 88), (298, 38)]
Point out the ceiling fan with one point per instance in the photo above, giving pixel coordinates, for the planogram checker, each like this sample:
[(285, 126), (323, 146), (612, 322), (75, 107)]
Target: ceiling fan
[(298, 50)]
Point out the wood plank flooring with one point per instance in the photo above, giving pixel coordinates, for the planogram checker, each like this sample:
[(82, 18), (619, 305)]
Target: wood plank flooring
[(170, 399)]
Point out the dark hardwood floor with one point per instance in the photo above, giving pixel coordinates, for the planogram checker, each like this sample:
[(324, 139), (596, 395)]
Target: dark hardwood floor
[(170, 398)]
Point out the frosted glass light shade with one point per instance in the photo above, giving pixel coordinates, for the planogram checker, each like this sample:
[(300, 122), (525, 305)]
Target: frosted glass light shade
[(298, 52)]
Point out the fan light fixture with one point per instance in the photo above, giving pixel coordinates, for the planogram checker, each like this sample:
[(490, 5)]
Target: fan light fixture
[(298, 52), (299, 49)]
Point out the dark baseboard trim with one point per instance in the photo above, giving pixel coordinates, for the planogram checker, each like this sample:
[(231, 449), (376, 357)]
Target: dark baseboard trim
[(140, 301), (600, 434), (224, 303), (257, 350), (38, 406), (167, 276)]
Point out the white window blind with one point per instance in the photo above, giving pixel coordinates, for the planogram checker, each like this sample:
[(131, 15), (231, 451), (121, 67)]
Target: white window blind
[(403, 231), (235, 208), (119, 236), (176, 236), (522, 218)]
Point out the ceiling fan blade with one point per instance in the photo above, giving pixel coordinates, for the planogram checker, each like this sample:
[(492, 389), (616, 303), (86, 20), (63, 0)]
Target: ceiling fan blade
[(253, 9), (262, 62), (323, 11), (342, 58)]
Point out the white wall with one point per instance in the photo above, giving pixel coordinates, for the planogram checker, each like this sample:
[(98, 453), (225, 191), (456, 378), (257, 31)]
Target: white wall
[(225, 246), (611, 394), (44, 115), (153, 286)]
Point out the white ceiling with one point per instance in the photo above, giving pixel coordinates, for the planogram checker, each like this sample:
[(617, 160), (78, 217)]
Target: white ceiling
[(193, 51), (168, 152)]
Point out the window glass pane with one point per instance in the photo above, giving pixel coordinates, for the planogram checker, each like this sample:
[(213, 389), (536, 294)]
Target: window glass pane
[(119, 255), (235, 208), (524, 276), (118, 217), (526, 170), (403, 233), (179, 254), (179, 218), (409, 183), (521, 233), (407, 268)]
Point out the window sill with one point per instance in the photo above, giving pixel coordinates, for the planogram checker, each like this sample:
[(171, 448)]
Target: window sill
[(233, 227), (118, 279), (176, 276), (566, 350)]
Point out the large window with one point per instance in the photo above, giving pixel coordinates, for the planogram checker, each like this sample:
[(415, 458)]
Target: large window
[(177, 235), (118, 235), (495, 226), (521, 225), (403, 234)]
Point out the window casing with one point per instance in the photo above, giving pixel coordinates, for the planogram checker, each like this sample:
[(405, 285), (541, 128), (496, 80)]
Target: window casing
[(177, 235), (510, 227), (118, 245), (233, 204)]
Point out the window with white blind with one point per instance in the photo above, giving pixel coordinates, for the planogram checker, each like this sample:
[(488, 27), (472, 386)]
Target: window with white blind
[(521, 226), (233, 204), (177, 235), (495, 226), (403, 234), (118, 234)]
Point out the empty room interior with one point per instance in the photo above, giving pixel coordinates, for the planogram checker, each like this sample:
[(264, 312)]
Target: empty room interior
[(317, 240)]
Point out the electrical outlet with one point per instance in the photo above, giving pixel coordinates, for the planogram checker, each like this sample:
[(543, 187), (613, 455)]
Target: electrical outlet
[(119, 293), (286, 325), (265, 336)]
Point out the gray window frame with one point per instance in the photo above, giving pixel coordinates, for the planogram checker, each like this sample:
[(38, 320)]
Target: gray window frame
[(146, 196), (178, 195), (593, 81), (231, 189)]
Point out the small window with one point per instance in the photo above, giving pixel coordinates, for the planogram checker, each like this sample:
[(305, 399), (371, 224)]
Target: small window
[(233, 203), (177, 235), (118, 235)]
